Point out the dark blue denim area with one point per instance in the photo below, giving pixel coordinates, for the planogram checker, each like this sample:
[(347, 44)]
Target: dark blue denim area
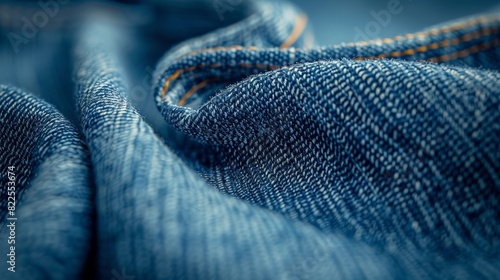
[(246, 151)]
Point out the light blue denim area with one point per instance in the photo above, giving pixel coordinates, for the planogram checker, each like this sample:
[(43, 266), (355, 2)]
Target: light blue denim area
[(266, 157)]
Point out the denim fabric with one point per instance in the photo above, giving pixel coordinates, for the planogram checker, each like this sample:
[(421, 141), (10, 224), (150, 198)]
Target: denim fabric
[(158, 220), (356, 138), (53, 193), (275, 158)]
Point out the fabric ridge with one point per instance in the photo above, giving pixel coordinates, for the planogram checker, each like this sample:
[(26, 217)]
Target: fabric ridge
[(253, 153)]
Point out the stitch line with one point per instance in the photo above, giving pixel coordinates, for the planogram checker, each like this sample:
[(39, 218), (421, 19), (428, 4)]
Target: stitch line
[(297, 30), (194, 89), (433, 46), (423, 34), (465, 52), (215, 65), (443, 58), (395, 54)]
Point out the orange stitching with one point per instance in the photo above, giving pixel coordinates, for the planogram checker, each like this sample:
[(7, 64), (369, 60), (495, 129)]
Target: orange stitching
[(194, 89), (171, 78), (445, 43), (442, 58), (298, 28), (201, 66), (444, 29), (294, 35), (465, 52)]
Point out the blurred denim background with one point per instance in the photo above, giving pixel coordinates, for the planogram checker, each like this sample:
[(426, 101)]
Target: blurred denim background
[(336, 21)]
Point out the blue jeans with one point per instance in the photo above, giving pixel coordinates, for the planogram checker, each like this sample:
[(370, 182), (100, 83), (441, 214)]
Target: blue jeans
[(270, 157)]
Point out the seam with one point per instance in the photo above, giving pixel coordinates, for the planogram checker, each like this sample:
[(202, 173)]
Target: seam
[(443, 58), (423, 34), (433, 46), (215, 65), (297, 30), (442, 30), (445, 43), (465, 52), (194, 89)]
